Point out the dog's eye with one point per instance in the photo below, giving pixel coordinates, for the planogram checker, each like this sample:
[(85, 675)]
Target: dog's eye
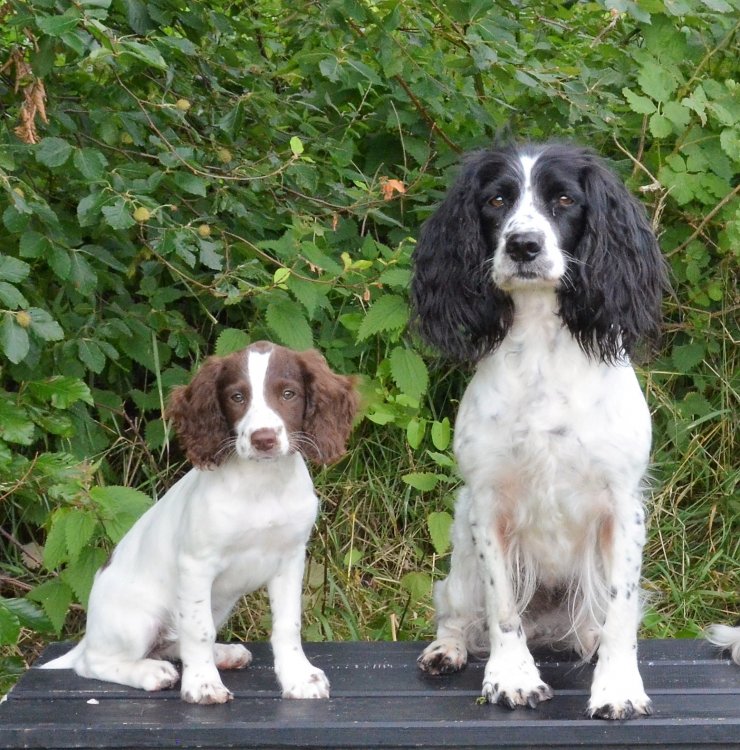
[(237, 398), (565, 200), (288, 394), (498, 201)]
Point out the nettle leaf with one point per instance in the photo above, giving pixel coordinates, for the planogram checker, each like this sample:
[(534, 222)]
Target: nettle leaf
[(286, 319), (409, 372), (231, 340), (439, 525), (10, 627), (120, 507), (14, 340), (59, 25), (79, 575), (687, 356), (55, 596), (28, 614), (55, 547), (389, 313), (53, 152), (61, 390)]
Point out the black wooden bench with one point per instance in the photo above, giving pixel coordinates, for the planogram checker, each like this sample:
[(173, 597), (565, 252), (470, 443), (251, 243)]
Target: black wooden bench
[(380, 699)]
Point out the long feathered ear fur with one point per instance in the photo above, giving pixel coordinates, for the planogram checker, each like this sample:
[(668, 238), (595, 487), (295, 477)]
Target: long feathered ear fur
[(198, 419), (456, 306), (331, 405), (611, 298)]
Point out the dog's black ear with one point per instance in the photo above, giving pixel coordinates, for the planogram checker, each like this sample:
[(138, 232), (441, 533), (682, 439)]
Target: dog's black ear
[(456, 306), (611, 299)]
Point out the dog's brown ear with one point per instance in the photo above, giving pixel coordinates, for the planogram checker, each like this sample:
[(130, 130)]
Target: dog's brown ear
[(331, 404), (196, 415)]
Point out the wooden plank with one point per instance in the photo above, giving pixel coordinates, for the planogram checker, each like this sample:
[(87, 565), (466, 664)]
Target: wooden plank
[(380, 699)]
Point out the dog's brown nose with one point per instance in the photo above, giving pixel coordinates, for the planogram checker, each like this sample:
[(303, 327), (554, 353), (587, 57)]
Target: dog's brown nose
[(264, 439)]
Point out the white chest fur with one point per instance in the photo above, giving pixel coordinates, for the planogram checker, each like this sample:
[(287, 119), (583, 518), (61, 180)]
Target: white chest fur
[(548, 435)]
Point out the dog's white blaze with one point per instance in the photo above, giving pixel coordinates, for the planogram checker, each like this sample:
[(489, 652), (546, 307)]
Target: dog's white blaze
[(259, 415)]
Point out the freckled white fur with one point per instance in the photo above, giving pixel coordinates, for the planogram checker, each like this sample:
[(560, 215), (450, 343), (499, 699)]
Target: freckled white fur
[(174, 578), (553, 447)]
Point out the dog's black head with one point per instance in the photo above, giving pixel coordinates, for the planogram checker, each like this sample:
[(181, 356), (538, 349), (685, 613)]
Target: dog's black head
[(550, 216)]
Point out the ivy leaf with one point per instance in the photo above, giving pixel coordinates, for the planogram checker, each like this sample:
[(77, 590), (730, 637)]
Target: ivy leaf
[(286, 319), (409, 372), (439, 525), (231, 340), (389, 313), (120, 508), (53, 152)]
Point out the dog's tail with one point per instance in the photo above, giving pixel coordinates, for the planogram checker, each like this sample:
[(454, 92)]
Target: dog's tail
[(726, 638), (68, 660)]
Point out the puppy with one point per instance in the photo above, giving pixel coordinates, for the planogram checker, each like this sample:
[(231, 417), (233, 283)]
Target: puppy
[(239, 520)]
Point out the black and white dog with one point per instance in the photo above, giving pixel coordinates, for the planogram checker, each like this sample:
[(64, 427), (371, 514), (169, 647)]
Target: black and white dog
[(541, 268)]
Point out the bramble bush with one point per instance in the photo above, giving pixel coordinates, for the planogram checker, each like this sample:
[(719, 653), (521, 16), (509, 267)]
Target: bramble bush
[(180, 179)]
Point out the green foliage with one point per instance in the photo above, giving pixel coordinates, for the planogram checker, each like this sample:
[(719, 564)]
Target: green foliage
[(198, 178)]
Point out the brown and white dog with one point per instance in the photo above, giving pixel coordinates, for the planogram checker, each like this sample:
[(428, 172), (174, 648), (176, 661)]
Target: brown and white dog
[(239, 520)]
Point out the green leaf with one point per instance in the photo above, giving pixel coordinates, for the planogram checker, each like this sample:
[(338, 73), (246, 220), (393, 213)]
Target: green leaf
[(28, 614), (44, 326), (640, 104), (91, 355), (13, 270), (15, 424), (687, 356), (415, 431), (191, 183), (13, 339), (144, 53), (78, 530), (409, 372), (80, 574), (90, 162), (10, 297), (53, 152), (296, 145), (656, 81), (61, 390), (389, 313), (55, 597), (55, 547), (117, 216), (439, 525), (424, 481), (441, 434), (59, 25), (10, 627), (33, 245), (660, 126), (418, 585), (120, 508), (231, 340), (286, 319)]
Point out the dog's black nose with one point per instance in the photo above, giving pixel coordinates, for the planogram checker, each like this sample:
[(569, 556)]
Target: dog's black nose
[(264, 439), (524, 246)]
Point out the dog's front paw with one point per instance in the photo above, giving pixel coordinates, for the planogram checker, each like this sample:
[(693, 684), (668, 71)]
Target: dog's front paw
[(158, 675), (311, 685), (204, 689), (513, 686), (443, 656), (617, 693), (231, 656)]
